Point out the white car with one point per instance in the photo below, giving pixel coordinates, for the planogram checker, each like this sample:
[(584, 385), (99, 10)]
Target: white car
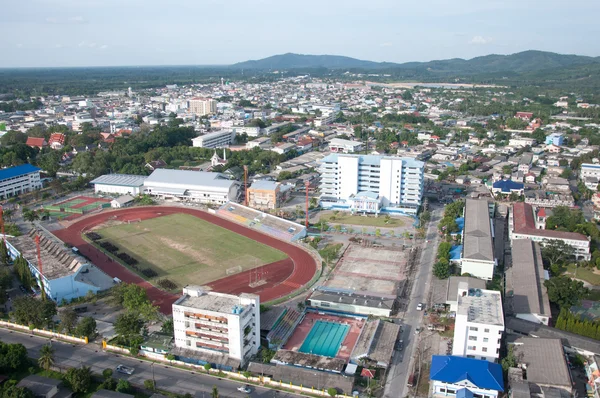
[(125, 370), (244, 389), (420, 307)]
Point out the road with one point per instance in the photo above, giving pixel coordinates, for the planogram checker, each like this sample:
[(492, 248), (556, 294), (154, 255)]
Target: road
[(168, 378), (402, 361)]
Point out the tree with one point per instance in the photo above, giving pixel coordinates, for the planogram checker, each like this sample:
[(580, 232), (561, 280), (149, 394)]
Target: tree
[(556, 252), (46, 359), (79, 379), (509, 361), (128, 324), (4, 257), (207, 367), (30, 215), (247, 374), (332, 391), (16, 392), (267, 355), (564, 291), (167, 326), (507, 169), (123, 386), (215, 392), (86, 327), (441, 269), (107, 373), (13, 357), (68, 320), (29, 311)]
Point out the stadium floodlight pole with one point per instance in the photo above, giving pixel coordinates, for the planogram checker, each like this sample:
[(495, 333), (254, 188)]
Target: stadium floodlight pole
[(39, 258), (306, 184), (2, 224), (245, 185)]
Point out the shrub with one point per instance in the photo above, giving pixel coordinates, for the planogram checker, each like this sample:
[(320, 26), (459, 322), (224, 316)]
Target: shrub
[(149, 273)]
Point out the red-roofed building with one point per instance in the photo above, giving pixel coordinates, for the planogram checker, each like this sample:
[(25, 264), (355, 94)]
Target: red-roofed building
[(304, 144), (523, 225), (57, 140), (526, 116), (36, 142), (108, 138)]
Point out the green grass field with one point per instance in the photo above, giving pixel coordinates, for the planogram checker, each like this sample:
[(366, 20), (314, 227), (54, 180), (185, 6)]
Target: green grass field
[(370, 221), (188, 250), (584, 274)]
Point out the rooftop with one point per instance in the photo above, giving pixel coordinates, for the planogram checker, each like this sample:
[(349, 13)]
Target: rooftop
[(524, 223), (17, 171), (209, 301), (482, 306), (124, 180), (377, 341), (453, 281), (266, 185), (361, 300), (374, 160), (544, 359), (452, 369), (525, 288), (286, 357), (187, 179), (39, 385), (477, 241)]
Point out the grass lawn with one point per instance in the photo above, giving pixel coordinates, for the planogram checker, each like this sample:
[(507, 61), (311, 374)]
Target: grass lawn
[(188, 250), (370, 221), (584, 274)]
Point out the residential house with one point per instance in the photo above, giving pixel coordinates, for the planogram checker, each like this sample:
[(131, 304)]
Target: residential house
[(465, 377), (36, 142)]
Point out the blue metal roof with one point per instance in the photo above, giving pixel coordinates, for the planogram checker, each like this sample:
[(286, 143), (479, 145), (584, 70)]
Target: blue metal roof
[(452, 369), (508, 185), (17, 171)]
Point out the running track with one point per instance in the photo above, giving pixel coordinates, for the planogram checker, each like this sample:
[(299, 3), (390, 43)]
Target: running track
[(283, 277)]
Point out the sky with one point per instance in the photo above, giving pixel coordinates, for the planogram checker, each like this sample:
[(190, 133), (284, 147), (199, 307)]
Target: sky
[(54, 33)]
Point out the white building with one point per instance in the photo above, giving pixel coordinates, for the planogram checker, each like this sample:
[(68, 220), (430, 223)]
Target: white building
[(371, 183), (479, 323), (345, 146), (191, 186), (590, 175), (250, 131), (478, 250), (202, 106), (521, 142), (210, 323), (452, 376), (119, 183), (19, 179), (217, 139)]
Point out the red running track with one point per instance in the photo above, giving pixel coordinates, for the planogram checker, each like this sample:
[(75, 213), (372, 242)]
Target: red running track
[(282, 277)]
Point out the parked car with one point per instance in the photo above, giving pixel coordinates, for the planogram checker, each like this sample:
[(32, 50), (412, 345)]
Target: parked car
[(420, 307), (400, 345), (245, 389), (125, 369)]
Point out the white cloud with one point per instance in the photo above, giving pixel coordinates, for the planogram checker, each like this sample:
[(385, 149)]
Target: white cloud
[(480, 40), (103, 47), (77, 19), (86, 44), (386, 44)]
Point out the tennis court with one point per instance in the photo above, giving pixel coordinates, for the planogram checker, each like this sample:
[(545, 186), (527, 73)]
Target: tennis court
[(325, 339), (75, 207)]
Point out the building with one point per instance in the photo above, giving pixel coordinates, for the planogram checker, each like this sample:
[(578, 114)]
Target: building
[(261, 142), (592, 372), (376, 343), (507, 187), (352, 303), (218, 139), (36, 142), (217, 324), (66, 275), (57, 140), (191, 186), (371, 183), (478, 247), (44, 387), (452, 289), (345, 146), (525, 293), (555, 139), (590, 175), (465, 377), (521, 224), (526, 116), (202, 106), (19, 179), (250, 131), (123, 184), (268, 195), (521, 142), (541, 366), (479, 323), (122, 201)]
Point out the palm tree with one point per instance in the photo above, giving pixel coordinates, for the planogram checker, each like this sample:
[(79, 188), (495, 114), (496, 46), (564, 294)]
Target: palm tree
[(46, 359), (30, 215), (7, 214)]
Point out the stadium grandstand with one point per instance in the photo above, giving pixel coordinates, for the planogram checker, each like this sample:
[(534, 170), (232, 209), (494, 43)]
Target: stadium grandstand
[(263, 222), (284, 328)]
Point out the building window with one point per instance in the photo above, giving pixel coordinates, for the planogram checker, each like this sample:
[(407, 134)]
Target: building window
[(485, 339), (486, 330), (473, 328), (484, 349), (472, 348), (473, 338), (188, 343)]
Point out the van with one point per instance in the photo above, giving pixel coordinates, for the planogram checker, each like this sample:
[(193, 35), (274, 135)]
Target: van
[(117, 280), (411, 380)]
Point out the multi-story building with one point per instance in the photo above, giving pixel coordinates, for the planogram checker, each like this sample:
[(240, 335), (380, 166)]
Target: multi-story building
[(218, 139), (452, 376), (371, 183), (202, 106), (212, 324), (522, 225), (479, 323), (590, 175), (268, 195), (478, 252), (345, 146), (19, 179), (555, 139)]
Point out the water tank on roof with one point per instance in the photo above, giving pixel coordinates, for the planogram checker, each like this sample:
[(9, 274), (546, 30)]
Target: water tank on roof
[(471, 292), (478, 293)]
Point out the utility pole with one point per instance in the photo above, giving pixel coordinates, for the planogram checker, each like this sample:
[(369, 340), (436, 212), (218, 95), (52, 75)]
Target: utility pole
[(245, 185), (306, 185)]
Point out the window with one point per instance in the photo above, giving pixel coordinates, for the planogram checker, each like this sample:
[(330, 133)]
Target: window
[(472, 348), (499, 341), (486, 330), (188, 343), (484, 349), (500, 332), (473, 338), (485, 339), (473, 328)]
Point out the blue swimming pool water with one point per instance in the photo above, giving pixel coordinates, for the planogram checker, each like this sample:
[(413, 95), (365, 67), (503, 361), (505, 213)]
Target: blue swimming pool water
[(325, 338)]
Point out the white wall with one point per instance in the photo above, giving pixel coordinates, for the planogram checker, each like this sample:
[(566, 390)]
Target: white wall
[(479, 269), (348, 176), (536, 318), (484, 337), (120, 189)]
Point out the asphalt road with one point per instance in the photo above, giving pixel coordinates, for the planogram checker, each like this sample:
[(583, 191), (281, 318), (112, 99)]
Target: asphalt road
[(172, 379), (402, 361)]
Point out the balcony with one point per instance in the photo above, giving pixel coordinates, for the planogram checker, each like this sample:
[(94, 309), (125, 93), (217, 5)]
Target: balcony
[(206, 318)]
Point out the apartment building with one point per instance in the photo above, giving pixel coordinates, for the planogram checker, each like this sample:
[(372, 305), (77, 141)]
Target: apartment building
[(478, 251), (202, 106), (218, 139), (371, 183), (345, 146), (590, 175), (211, 325), (268, 195), (19, 179), (522, 225), (479, 323)]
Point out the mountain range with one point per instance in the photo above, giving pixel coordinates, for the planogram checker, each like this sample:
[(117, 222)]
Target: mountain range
[(526, 61)]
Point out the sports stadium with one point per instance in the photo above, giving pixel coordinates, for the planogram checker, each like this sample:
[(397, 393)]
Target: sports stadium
[(234, 249)]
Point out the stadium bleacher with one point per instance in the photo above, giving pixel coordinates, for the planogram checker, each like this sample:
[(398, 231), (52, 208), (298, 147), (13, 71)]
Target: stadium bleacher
[(279, 335), (275, 226)]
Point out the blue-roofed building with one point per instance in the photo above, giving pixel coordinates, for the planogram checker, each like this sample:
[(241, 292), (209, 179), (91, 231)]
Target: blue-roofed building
[(19, 179), (371, 183), (506, 187), (450, 375)]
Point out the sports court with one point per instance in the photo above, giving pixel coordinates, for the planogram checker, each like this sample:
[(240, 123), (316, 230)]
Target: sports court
[(186, 249), (77, 206), (370, 270), (325, 335)]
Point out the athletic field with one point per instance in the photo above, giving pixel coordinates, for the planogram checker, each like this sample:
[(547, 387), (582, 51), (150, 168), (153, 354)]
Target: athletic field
[(188, 250)]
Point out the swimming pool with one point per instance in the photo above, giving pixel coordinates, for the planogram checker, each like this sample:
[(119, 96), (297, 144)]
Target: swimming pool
[(324, 338)]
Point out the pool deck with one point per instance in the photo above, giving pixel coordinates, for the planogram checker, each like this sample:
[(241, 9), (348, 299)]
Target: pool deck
[(303, 329)]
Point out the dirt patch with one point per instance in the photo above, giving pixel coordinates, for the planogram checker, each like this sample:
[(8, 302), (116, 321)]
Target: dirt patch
[(197, 255)]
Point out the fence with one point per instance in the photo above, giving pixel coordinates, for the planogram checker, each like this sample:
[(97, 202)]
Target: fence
[(44, 332)]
